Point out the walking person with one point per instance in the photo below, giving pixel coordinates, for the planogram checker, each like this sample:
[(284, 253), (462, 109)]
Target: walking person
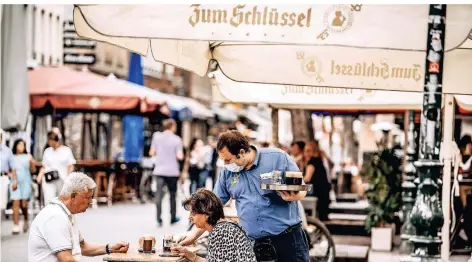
[(168, 150), (23, 163), (196, 165), (7, 172), (211, 158), (271, 218), (58, 161)]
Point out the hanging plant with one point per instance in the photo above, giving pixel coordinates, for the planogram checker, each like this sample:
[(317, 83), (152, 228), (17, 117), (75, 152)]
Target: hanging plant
[(384, 189)]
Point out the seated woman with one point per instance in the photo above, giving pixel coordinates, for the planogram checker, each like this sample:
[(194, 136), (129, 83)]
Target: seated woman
[(227, 241)]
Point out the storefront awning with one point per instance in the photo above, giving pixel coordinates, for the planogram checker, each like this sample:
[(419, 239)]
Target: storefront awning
[(67, 89)]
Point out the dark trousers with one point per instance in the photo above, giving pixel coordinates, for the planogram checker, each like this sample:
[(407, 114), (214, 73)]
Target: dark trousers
[(290, 246), (171, 183)]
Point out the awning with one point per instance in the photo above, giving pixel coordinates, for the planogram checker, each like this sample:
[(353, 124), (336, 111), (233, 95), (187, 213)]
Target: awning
[(197, 110), (65, 88), (314, 97), (224, 114)]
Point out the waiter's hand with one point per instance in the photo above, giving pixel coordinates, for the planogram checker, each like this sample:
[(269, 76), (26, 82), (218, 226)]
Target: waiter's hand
[(290, 195)]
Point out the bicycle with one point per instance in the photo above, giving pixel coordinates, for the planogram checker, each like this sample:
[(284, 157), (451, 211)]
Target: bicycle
[(321, 244)]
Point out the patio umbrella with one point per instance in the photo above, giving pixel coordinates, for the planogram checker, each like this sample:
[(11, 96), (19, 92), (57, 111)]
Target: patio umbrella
[(14, 82), (332, 99), (350, 46)]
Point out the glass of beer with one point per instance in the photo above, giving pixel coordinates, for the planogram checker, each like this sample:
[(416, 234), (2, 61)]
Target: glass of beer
[(293, 178)]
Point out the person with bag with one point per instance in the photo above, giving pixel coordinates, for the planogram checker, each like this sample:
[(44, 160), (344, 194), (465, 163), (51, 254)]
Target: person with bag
[(58, 161), (227, 241), (271, 218)]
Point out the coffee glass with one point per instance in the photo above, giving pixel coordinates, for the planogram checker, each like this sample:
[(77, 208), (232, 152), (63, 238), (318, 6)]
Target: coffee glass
[(167, 243), (293, 178), (148, 243), (277, 177)]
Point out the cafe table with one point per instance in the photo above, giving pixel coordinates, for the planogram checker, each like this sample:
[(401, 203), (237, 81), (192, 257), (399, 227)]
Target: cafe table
[(134, 256)]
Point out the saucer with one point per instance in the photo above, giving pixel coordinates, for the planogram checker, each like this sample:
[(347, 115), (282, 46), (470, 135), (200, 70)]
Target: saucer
[(140, 250)]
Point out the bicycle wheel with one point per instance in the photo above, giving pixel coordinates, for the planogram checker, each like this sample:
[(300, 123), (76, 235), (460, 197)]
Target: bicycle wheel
[(321, 243)]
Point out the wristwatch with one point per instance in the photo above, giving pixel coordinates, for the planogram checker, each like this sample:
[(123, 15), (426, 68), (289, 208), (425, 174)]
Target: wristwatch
[(107, 249)]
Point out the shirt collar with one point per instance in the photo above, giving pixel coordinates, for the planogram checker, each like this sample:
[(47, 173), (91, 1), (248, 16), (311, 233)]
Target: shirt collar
[(58, 202), (256, 160)]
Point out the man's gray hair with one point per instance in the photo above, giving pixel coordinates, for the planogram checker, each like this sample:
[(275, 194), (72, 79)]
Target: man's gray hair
[(77, 182)]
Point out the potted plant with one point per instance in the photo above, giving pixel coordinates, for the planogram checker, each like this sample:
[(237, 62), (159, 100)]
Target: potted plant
[(384, 195)]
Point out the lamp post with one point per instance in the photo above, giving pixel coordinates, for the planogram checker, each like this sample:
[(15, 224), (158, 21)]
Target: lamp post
[(426, 215)]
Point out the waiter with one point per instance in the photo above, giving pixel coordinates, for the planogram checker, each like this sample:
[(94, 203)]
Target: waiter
[(270, 218)]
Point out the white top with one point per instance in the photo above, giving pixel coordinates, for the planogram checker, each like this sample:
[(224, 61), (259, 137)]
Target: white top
[(53, 230), (58, 160)]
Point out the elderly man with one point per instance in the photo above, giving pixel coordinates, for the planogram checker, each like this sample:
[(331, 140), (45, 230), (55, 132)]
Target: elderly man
[(55, 234)]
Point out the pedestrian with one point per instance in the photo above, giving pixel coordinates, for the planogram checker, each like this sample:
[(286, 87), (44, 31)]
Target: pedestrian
[(211, 158), (227, 241), (58, 161), (55, 233), (196, 165), (168, 150), (23, 163), (7, 171), (270, 218)]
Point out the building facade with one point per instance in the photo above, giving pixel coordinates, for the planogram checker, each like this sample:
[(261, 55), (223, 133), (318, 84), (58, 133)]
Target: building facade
[(44, 34)]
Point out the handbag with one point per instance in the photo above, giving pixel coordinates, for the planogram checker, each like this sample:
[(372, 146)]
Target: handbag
[(51, 176)]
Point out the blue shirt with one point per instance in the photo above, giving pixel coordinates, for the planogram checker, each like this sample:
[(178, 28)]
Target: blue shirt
[(261, 212), (6, 158)]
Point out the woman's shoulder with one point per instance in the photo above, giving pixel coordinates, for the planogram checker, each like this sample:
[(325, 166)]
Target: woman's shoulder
[(227, 227)]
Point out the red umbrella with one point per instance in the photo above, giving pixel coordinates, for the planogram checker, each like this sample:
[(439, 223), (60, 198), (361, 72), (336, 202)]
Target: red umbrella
[(65, 88)]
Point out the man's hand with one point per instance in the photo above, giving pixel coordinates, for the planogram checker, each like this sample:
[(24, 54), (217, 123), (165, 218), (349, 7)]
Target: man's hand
[(120, 247), (291, 195), (14, 185)]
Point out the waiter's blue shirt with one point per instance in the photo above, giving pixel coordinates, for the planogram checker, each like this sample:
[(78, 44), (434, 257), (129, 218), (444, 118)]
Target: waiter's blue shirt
[(261, 212)]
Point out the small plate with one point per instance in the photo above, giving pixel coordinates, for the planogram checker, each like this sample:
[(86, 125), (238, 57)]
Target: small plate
[(140, 250)]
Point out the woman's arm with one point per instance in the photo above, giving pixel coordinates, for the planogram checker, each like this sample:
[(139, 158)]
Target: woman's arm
[(32, 163), (310, 171)]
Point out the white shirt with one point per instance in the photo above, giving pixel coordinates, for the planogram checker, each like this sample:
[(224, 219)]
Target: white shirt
[(58, 160), (53, 230)]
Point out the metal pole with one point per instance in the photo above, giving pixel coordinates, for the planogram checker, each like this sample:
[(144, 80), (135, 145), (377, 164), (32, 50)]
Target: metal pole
[(446, 188), (427, 215)]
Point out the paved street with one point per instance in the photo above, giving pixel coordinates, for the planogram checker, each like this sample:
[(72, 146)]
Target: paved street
[(125, 222)]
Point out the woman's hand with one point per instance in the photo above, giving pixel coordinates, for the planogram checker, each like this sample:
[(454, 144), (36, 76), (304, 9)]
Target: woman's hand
[(14, 185), (185, 252)]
